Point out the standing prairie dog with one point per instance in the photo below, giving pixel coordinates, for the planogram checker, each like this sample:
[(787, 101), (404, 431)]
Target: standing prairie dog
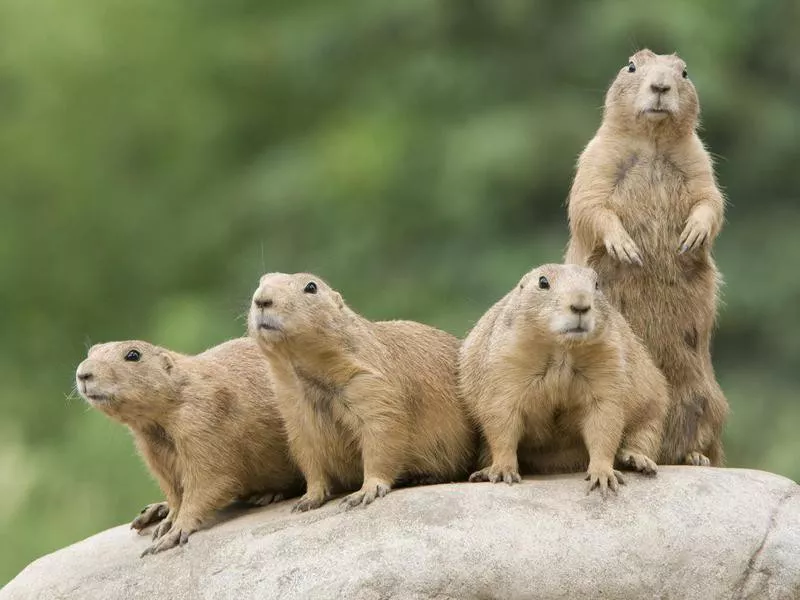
[(206, 426), (644, 210), (365, 403), (559, 382)]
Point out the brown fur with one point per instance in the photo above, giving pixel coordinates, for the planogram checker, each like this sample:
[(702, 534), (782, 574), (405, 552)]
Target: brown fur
[(206, 426), (549, 399), (365, 403), (644, 210)]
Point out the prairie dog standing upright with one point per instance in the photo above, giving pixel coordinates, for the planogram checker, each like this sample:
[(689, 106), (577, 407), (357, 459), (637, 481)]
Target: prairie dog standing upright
[(644, 210), (559, 382), (365, 403), (206, 426)]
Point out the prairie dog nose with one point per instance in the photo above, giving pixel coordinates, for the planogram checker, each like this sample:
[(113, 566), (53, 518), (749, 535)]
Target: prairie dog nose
[(580, 308), (84, 375), (660, 88), (262, 302)]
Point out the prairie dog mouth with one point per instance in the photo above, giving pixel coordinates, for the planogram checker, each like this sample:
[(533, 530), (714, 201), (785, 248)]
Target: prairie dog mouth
[(97, 397), (577, 329), (268, 323)]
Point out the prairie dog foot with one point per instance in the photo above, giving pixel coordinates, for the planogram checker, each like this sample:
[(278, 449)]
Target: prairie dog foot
[(497, 474), (372, 489), (177, 536), (165, 525), (697, 459), (604, 479), (310, 500), (637, 462), (264, 499), (152, 513)]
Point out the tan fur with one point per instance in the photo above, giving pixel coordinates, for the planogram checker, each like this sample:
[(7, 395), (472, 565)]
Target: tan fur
[(550, 397), (644, 210), (365, 403), (206, 426)]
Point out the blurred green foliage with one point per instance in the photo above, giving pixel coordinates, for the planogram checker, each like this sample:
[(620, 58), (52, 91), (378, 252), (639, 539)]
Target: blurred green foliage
[(157, 157)]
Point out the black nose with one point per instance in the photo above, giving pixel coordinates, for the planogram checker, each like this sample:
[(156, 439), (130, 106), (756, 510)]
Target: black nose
[(260, 303), (579, 310), (660, 88), (84, 376)]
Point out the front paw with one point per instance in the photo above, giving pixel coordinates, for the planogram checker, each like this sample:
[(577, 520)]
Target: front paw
[(152, 513), (697, 459), (162, 528), (621, 247), (177, 536), (694, 235), (310, 501), (604, 479), (371, 490), (497, 474), (637, 462)]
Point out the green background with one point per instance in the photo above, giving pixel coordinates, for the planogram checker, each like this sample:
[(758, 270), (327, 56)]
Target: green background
[(156, 157)]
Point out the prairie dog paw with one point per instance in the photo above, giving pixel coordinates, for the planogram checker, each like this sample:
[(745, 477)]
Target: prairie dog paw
[(497, 474), (152, 513), (604, 479), (697, 459), (264, 499), (175, 537), (367, 494), (694, 235), (310, 501), (637, 462), (621, 247)]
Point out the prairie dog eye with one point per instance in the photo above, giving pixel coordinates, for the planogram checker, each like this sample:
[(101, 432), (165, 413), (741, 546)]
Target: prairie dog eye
[(685, 74), (543, 283), (133, 356), (631, 67), (311, 288)]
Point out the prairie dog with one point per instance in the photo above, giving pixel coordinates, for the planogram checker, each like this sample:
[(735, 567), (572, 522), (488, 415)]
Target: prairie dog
[(644, 210), (206, 426), (365, 403), (559, 382)]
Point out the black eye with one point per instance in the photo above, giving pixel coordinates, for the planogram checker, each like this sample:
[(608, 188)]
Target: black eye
[(685, 74), (631, 67), (543, 283), (597, 285), (311, 288), (133, 356)]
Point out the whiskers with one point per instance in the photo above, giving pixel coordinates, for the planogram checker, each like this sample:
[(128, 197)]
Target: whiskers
[(73, 395)]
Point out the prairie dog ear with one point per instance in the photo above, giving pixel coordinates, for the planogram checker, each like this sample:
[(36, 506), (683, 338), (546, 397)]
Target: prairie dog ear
[(337, 297), (167, 362)]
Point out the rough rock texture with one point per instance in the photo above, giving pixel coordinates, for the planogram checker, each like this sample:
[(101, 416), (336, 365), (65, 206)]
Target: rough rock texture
[(689, 533)]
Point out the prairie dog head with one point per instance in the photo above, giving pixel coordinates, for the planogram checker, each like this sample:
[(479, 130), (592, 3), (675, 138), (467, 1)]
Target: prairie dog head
[(653, 90), (563, 301), (127, 380), (287, 306)]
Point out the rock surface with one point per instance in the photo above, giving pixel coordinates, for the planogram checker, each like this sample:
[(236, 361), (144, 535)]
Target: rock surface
[(689, 533)]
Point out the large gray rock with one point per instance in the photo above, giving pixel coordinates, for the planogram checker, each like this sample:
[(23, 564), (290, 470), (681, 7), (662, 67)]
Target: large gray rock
[(689, 533)]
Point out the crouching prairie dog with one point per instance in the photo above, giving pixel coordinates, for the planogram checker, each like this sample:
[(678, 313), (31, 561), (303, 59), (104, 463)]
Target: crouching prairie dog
[(644, 210), (366, 404), (559, 382), (206, 426)]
